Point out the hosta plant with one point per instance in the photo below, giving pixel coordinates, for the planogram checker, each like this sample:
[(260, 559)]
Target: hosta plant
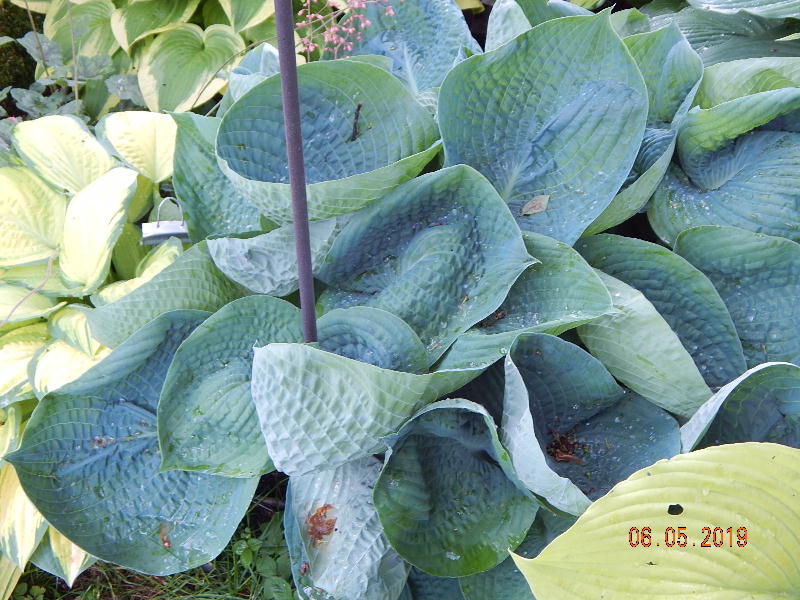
[(495, 365)]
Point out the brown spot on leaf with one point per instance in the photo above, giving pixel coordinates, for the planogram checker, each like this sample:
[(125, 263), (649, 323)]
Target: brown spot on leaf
[(535, 205), (318, 525)]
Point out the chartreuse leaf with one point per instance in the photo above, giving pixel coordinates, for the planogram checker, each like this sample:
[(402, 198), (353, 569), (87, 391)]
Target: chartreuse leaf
[(243, 13), (71, 325), (762, 405), (145, 140), (58, 363), (505, 581), (60, 557), (681, 294), (206, 417), (61, 149), (92, 225), (424, 39), (267, 263), (17, 347), (640, 349), (40, 277), (364, 134), (745, 494), (21, 525), (762, 301), (81, 27), (558, 147), (421, 586), (444, 467), (774, 9), (553, 296), (210, 202), (331, 525), (20, 304), (191, 282), (9, 576), (89, 461), (179, 68), (31, 218), (445, 236), (141, 18)]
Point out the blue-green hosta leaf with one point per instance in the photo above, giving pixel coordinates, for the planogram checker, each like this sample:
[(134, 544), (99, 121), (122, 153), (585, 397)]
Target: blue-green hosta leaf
[(506, 21), (630, 22), (505, 581), (180, 68), (757, 277), (267, 263), (440, 252), (553, 296), (424, 39), (141, 18), (421, 586), (17, 348), (728, 81), (539, 11), (640, 349), (206, 417), (210, 202), (443, 469), (363, 134), (762, 405), (89, 460), (335, 538), (562, 140), (681, 294), (258, 64), (20, 304), (145, 140), (61, 149), (31, 218), (774, 9), (191, 282)]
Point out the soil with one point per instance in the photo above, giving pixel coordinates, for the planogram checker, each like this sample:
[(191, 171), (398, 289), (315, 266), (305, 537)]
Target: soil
[(16, 65)]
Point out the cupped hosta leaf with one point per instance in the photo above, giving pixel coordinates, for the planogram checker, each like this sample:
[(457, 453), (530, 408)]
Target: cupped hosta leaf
[(757, 277), (81, 27), (20, 304), (421, 586), (92, 225), (559, 132), (443, 469), (730, 80), (424, 39), (145, 140), (210, 202), (21, 525), (774, 9), (206, 417), (440, 252), (745, 495), (258, 64), (191, 282), (640, 349), (505, 581), (141, 18), (60, 557), (179, 68), (62, 150), (72, 325), (31, 218), (335, 538), (762, 405), (89, 460), (17, 348), (58, 363), (553, 296), (267, 263), (244, 13), (681, 294), (363, 134)]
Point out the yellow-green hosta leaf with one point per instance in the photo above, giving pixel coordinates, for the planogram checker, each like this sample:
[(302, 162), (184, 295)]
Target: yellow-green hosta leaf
[(31, 218), (746, 495), (246, 13), (57, 555), (9, 576), (145, 140), (94, 221), (71, 325), (139, 19), (21, 525), (179, 69), (11, 425), (17, 347), (20, 304), (62, 150), (58, 363), (42, 277)]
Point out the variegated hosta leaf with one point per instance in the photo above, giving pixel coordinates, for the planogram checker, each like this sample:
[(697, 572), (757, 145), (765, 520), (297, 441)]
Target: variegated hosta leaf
[(71, 325), (89, 461), (440, 252), (757, 277), (424, 39), (559, 133), (9, 576), (210, 202), (335, 538), (61, 149), (20, 304), (60, 557), (31, 218), (145, 140), (191, 282), (681, 294), (640, 349), (58, 363), (364, 134), (745, 495), (444, 468), (267, 263), (244, 13), (81, 27), (180, 68), (21, 525), (12, 420), (141, 18), (17, 348), (206, 417)]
